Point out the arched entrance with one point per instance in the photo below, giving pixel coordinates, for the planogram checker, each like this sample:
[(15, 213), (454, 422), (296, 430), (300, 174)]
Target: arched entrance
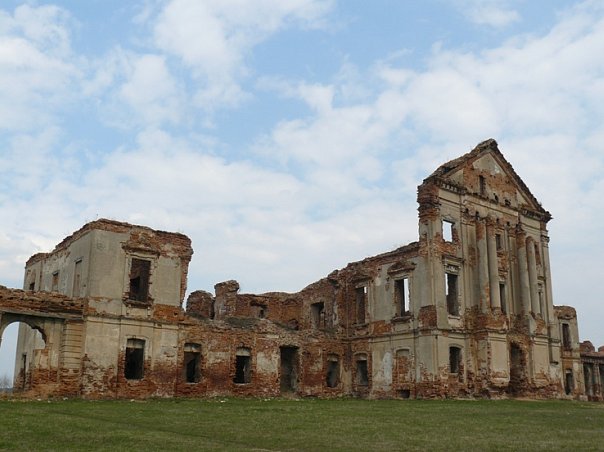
[(29, 341)]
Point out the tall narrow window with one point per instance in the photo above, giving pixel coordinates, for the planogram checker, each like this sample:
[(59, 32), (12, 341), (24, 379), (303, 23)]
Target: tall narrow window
[(361, 374), (192, 361), (448, 227), (77, 277), (361, 303), (454, 359), (569, 381), (502, 295), (483, 185), (498, 242), (317, 315), (452, 294), (243, 366), (401, 296), (135, 359), (55, 282), (139, 280), (566, 342), (541, 301), (332, 376)]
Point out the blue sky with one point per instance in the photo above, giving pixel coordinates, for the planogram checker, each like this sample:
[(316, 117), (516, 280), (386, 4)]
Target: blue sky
[(287, 138)]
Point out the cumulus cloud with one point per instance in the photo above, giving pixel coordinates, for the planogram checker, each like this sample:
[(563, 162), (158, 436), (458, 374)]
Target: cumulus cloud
[(213, 38), (35, 66)]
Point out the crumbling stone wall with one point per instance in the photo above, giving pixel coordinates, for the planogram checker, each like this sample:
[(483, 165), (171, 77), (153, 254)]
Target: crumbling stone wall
[(467, 310)]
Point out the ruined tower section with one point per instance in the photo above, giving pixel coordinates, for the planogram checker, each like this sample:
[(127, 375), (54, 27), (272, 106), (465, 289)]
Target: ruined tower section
[(487, 309), (131, 281)]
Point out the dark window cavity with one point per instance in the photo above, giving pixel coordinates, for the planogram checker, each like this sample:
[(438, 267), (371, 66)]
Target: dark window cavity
[(566, 341), (569, 381), (139, 280), (243, 366), (192, 363), (454, 359), (333, 371), (504, 305), (361, 303), (135, 359), (361, 374), (317, 315), (452, 294)]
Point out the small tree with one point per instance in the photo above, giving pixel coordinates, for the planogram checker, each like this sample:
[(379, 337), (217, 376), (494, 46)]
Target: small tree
[(5, 382)]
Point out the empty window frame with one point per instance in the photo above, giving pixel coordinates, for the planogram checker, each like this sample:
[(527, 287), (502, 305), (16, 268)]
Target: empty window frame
[(361, 374), (454, 359), (55, 282), (139, 280), (448, 227), (135, 359), (566, 340), (360, 294), (192, 363), (541, 301), (317, 315), (482, 185), (569, 381), (452, 293), (243, 366), (401, 296), (332, 375), (498, 242), (502, 298)]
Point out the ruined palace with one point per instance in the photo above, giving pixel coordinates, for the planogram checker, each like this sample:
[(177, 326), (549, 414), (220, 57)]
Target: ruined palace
[(465, 311)]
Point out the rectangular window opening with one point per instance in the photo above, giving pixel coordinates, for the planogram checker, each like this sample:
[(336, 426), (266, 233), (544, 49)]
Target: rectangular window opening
[(569, 382), (452, 294), (504, 304), (498, 242), (139, 280), (243, 366), (483, 185), (361, 303), (566, 341), (448, 227), (333, 372), (361, 375), (454, 359), (192, 363), (317, 315), (55, 282), (401, 294), (135, 359)]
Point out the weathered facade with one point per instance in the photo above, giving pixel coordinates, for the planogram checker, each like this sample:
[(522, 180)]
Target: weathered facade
[(467, 310)]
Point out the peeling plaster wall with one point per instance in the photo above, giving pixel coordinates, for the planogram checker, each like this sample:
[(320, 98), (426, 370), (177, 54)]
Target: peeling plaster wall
[(467, 310)]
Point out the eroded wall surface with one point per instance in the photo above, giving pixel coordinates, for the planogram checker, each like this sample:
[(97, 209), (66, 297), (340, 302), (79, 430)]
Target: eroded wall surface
[(467, 310)]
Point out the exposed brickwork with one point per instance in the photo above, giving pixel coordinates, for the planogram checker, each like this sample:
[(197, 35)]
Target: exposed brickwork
[(465, 316)]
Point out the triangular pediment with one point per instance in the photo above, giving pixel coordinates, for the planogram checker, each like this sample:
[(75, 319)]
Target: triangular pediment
[(486, 173)]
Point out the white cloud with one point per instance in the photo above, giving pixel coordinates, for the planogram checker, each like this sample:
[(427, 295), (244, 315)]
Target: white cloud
[(36, 73), (213, 38), (493, 13)]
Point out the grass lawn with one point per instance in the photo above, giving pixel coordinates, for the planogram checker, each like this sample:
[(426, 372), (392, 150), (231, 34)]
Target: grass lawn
[(254, 424)]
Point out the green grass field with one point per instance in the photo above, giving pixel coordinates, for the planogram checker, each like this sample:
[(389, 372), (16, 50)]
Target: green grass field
[(253, 424)]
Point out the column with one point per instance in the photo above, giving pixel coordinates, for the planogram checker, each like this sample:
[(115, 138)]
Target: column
[(525, 293), (493, 266), (532, 272), (483, 265)]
